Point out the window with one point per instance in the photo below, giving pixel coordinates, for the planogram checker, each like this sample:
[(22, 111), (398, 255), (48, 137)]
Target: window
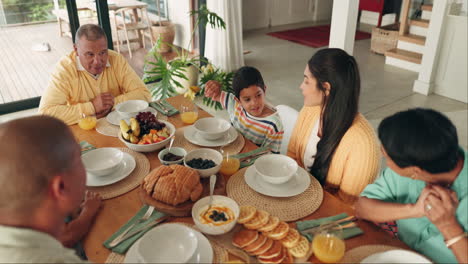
[(152, 9)]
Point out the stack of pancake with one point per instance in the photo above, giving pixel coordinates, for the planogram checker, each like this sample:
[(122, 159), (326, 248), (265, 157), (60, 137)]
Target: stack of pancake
[(268, 238)]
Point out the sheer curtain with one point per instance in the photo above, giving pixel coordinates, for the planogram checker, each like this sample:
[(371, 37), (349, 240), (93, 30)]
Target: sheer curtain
[(224, 48)]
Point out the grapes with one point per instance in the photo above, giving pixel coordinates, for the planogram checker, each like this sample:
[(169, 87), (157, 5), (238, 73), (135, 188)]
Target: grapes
[(147, 122)]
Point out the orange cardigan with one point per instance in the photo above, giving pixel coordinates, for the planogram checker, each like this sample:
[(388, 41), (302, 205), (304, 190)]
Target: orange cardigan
[(356, 161)]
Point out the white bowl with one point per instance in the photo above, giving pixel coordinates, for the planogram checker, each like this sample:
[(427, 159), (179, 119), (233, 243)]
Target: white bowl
[(201, 205), (154, 146), (131, 108), (102, 161), (212, 128), (275, 168), (168, 243), (205, 153), (174, 150)]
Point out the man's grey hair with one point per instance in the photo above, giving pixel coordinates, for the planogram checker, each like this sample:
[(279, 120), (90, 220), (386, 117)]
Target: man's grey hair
[(91, 32)]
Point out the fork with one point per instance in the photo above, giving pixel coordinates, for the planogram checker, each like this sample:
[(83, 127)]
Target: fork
[(161, 105), (145, 217)]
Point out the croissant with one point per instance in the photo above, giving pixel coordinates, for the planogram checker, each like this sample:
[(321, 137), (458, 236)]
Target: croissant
[(173, 184)]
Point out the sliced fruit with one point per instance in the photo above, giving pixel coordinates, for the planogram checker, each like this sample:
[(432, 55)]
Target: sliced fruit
[(125, 129), (135, 126)]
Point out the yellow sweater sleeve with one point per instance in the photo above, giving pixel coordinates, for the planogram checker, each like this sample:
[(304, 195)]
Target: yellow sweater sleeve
[(132, 87), (56, 99)]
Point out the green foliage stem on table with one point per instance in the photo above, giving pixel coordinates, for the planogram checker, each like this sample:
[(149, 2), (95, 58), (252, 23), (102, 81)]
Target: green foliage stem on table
[(163, 73)]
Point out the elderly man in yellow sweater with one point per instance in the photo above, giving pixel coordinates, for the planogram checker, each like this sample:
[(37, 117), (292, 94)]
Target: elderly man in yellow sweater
[(90, 80)]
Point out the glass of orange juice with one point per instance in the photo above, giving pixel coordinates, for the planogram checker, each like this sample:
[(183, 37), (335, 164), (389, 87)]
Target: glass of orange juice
[(328, 244), (87, 122), (189, 113), (229, 165)]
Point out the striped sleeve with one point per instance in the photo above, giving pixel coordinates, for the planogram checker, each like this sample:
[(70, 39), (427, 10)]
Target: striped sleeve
[(273, 141)]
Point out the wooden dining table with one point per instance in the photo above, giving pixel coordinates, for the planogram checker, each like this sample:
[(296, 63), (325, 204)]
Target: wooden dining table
[(115, 212)]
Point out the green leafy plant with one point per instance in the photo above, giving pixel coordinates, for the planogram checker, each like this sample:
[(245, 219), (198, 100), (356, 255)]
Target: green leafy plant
[(163, 72), (224, 78)]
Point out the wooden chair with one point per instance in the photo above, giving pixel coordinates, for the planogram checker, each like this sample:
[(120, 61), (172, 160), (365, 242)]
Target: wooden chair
[(85, 14), (127, 20)]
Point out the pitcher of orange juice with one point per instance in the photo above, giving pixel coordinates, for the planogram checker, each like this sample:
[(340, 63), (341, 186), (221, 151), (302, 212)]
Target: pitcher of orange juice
[(87, 122), (328, 244), (188, 113)]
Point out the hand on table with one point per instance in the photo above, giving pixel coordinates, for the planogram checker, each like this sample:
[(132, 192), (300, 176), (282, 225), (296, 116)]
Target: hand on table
[(103, 103), (213, 90), (92, 202)]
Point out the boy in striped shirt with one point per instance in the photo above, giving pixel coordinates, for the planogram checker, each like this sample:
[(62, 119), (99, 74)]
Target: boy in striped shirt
[(249, 113)]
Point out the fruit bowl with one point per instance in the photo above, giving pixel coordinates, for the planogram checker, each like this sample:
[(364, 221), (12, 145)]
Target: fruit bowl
[(145, 133)]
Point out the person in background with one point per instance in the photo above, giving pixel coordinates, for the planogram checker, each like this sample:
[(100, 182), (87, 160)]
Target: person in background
[(331, 138), (424, 189), (248, 111), (90, 80), (43, 182)]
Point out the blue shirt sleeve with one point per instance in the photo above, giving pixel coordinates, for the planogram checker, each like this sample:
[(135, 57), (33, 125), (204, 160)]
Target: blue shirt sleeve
[(384, 188)]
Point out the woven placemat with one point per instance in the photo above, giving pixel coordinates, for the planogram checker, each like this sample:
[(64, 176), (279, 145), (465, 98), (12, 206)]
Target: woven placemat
[(233, 148), (107, 129), (356, 255), (286, 208), (130, 182), (220, 254)]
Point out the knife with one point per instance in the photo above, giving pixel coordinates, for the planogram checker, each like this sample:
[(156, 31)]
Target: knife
[(118, 240)]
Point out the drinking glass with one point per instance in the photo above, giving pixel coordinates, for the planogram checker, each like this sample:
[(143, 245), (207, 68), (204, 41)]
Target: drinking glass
[(229, 165), (328, 244), (87, 122), (188, 113)]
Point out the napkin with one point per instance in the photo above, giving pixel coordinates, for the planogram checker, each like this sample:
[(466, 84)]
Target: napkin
[(126, 244), (247, 163), (85, 147), (347, 232), (171, 109)]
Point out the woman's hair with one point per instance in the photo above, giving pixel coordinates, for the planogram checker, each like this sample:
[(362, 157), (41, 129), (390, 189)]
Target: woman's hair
[(339, 107), (245, 77), (420, 137)]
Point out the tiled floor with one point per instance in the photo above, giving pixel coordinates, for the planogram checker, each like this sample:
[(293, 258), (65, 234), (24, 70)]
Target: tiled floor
[(385, 89)]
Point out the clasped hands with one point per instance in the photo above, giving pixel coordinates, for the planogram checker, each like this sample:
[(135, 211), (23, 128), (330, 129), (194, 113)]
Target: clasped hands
[(103, 104), (438, 204)]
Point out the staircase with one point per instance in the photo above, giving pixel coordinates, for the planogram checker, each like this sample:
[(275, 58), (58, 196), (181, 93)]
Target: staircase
[(411, 40)]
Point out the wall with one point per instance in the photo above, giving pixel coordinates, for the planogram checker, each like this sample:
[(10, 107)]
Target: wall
[(451, 78), (266, 13), (179, 15)]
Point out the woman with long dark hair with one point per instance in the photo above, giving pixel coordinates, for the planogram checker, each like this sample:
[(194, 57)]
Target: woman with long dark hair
[(331, 138)]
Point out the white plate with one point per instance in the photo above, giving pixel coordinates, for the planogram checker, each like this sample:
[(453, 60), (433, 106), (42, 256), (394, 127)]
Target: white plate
[(114, 117), (296, 185), (125, 168), (396, 256), (193, 136), (203, 253)]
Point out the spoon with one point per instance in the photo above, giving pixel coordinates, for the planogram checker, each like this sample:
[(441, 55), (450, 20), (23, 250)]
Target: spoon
[(212, 185), (170, 144)]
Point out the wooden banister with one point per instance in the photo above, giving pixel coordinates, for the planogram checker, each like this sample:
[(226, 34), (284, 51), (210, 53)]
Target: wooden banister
[(404, 17)]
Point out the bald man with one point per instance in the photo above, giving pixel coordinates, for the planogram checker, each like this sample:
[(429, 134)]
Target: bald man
[(43, 181), (90, 80)]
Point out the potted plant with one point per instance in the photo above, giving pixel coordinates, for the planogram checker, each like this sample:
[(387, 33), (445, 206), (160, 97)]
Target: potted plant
[(168, 78), (164, 30)]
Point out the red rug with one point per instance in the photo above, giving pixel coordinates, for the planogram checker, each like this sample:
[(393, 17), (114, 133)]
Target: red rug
[(315, 37)]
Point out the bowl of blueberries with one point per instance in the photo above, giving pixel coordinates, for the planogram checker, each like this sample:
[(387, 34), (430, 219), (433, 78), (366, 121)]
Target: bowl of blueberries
[(206, 161)]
